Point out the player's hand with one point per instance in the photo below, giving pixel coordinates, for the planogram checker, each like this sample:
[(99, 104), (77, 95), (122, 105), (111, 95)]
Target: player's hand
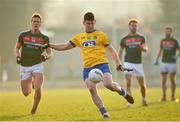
[(119, 68), (45, 46), (18, 60), (43, 58), (156, 62), (141, 46)]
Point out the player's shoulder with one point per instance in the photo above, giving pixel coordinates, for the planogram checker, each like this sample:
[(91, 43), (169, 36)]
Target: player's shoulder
[(164, 39), (100, 33), (24, 32), (96, 32), (44, 35), (141, 35), (174, 38), (77, 35), (124, 37)]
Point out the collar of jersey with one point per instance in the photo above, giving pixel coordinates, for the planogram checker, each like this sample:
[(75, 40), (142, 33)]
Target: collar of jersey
[(34, 34), (91, 31)]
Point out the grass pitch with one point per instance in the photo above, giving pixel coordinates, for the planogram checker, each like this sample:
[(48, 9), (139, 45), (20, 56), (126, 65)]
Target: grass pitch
[(76, 105)]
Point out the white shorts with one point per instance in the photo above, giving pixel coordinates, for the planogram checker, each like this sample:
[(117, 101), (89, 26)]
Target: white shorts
[(137, 69), (26, 72), (168, 67)]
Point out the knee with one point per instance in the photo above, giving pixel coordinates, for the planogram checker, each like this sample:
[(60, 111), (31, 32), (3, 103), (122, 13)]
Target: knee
[(173, 83), (163, 83), (38, 90), (108, 85), (26, 93), (172, 79), (164, 79), (143, 86)]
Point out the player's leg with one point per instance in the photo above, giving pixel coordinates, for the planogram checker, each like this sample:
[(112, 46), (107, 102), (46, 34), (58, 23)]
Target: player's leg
[(37, 83), (172, 75), (164, 86), (38, 80), (128, 78), (139, 73), (26, 80), (113, 86), (94, 94), (95, 97), (164, 73), (173, 85), (26, 86), (142, 84)]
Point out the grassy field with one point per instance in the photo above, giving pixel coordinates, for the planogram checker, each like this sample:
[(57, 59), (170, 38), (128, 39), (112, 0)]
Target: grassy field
[(76, 104)]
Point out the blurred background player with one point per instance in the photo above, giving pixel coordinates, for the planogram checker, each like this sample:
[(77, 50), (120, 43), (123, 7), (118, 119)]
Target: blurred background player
[(168, 48), (134, 45), (28, 52), (93, 44)]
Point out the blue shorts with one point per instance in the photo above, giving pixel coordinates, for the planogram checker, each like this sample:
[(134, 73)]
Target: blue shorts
[(103, 67)]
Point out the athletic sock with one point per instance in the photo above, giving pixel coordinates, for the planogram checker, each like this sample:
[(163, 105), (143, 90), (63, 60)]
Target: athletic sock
[(102, 110), (122, 92)]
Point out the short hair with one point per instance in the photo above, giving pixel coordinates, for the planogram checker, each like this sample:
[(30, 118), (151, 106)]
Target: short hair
[(89, 16), (132, 21), (36, 15), (169, 28)]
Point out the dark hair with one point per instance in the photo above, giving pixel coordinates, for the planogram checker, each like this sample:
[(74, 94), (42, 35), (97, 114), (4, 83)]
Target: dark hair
[(132, 21), (89, 16), (36, 15)]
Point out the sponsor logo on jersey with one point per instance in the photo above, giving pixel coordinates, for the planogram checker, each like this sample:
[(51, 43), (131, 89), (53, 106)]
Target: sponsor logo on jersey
[(33, 40), (89, 44), (168, 44)]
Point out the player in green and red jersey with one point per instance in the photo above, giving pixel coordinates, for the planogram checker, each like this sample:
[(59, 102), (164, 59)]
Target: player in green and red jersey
[(134, 44), (28, 52), (168, 48)]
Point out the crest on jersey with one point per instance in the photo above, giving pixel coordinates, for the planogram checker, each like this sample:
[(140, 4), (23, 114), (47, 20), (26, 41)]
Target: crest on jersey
[(33, 39)]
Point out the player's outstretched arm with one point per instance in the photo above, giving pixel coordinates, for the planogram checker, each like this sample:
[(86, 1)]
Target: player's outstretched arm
[(120, 52), (59, 47), (115, 57)]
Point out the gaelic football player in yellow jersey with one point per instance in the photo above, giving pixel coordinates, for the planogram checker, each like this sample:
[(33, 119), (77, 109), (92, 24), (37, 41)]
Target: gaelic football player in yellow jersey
[(93, 44)]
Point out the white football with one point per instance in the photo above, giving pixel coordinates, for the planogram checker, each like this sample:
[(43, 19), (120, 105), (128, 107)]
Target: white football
[(95, 75)]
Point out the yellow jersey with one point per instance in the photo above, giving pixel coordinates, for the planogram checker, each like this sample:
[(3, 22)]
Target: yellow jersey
[(92, 47)]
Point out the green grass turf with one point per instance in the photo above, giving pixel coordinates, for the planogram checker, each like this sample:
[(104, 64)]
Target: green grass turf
[(76, 104)]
